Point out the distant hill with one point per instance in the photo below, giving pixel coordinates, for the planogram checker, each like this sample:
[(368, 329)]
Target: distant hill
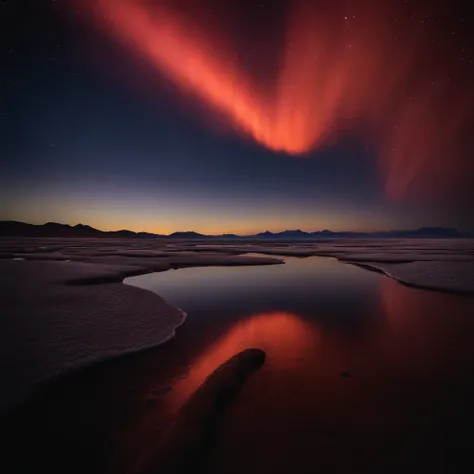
[(53, 229), (187, 235), (290, 234), (422, 232)]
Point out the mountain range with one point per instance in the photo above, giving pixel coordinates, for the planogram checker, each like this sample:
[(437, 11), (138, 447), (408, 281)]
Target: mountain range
[(53, 229)]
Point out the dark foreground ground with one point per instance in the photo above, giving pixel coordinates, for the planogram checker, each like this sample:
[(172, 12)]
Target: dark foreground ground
[(110, 418), (76, 424)]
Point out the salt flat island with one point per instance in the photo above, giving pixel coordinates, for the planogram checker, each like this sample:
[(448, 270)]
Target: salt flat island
[(349, 351)]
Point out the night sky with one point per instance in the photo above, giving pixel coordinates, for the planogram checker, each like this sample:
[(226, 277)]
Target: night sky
[(236, 116)]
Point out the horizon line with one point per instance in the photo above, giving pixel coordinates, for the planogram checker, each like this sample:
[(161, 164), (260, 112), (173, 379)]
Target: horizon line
[(244, 235)]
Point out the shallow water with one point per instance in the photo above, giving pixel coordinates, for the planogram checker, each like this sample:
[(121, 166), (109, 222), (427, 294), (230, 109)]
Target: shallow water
[(362, 374)]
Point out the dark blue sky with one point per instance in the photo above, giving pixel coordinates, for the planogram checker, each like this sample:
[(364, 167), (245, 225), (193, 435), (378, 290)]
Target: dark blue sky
[(90, 134)]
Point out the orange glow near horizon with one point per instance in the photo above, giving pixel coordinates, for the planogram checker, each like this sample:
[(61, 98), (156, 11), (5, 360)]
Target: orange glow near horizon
[(351, 67)]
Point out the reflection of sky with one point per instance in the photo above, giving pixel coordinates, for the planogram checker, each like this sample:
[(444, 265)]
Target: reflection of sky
[(408, 353), (358, 316), (302, 285)]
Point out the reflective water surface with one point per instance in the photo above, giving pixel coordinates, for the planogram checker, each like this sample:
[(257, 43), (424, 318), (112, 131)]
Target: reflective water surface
[(362, 374)]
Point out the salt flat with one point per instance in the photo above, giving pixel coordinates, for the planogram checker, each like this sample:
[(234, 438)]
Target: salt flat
[(63, 300)]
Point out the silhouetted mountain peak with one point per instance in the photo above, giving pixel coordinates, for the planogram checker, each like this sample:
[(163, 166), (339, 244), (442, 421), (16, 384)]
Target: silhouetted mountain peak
[(55, 224), (188, 234), (293, 233)]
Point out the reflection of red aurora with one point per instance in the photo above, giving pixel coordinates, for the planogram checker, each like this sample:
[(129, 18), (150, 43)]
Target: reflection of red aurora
[(361, 59), (284, 336), (410, 337), (404, 369)]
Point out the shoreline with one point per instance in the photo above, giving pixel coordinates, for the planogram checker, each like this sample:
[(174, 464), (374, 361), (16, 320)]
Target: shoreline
[(446, 256), (409, 284)]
